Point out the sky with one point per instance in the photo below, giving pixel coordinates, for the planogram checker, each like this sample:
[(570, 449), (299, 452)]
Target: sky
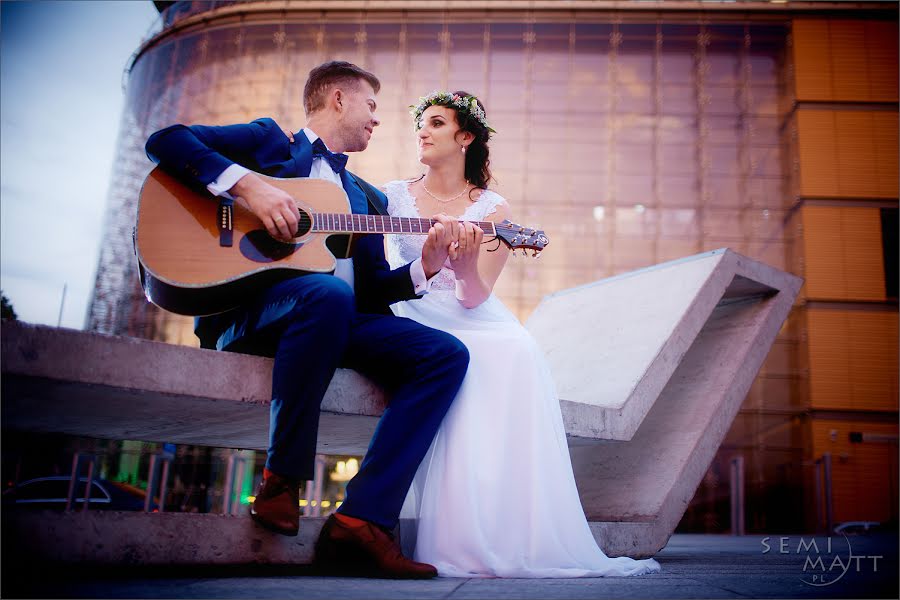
[(61, 100)]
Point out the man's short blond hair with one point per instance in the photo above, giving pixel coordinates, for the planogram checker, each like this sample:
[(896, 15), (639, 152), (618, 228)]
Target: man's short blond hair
[(328, 75)]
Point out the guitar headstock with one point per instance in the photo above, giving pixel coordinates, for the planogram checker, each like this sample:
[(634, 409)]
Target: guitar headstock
[(525, 238)]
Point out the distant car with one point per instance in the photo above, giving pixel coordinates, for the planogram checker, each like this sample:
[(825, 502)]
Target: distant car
[(51, 493)]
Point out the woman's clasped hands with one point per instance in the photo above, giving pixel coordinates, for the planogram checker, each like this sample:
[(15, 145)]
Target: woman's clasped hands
[(463, 252)]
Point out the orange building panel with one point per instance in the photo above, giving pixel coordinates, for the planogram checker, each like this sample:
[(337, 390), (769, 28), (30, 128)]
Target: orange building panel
[(855, 150), (886, 139), (845, 60), (848, 153), (843, 253), (864, 474), (812, 59), (849, 60), (818, 159), (853, 358), (823, 252), (881, 49)]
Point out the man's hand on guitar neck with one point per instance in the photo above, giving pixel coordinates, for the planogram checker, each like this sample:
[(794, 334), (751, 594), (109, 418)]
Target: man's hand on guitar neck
[(274, 207)]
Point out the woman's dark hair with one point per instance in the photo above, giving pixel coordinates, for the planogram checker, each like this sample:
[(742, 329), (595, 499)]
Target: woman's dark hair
[(478, 160)]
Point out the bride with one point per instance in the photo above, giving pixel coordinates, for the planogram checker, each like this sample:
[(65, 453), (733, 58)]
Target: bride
[(495, 495)]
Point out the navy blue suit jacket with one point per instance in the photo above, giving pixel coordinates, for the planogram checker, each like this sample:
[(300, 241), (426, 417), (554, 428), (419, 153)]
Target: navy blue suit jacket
[(198, 154)]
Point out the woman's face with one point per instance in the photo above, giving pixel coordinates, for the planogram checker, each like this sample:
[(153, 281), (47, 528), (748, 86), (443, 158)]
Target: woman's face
[(440, 137)]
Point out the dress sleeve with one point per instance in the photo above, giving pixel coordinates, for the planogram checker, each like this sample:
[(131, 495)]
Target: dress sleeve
[(487, 204)]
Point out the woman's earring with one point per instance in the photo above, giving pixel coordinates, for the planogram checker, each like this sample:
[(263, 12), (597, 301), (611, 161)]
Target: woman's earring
[(463, 149)]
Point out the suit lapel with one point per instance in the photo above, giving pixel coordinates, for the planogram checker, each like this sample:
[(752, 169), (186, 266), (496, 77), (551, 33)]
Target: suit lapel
[(358, 202)]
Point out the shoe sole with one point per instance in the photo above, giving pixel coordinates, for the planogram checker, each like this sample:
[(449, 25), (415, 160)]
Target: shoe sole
[(327, 569), (333, 562)]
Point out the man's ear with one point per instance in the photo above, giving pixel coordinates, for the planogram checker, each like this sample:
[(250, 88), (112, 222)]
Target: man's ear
[(338, 96)]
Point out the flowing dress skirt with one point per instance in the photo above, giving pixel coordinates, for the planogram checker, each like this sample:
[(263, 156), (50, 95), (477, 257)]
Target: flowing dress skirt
[(495, 496)]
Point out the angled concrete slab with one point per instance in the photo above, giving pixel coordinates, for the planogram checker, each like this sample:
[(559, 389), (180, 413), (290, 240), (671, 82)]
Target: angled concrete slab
[(681, 389), (614, 344)]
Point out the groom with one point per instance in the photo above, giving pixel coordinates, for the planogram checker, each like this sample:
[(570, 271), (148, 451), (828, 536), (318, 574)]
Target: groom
[(315, 323)]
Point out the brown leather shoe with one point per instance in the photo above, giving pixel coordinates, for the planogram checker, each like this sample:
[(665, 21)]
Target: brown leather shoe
[(277, 505), (366, 551)]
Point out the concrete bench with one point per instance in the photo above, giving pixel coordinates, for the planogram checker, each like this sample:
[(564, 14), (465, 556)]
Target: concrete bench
[(81, 383), (651, 366)]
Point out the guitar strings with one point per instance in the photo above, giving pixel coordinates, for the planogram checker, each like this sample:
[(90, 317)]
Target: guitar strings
[(339, 222)]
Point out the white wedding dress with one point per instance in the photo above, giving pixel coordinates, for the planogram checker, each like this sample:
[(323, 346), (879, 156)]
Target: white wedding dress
[(495, 495)]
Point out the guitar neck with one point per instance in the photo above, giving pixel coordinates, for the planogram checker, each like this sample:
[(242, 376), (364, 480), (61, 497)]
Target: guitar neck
[(348, 223)]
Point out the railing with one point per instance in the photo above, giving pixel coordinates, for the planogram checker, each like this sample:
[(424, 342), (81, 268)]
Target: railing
[(823, 492), (738, 512), (78, 461)]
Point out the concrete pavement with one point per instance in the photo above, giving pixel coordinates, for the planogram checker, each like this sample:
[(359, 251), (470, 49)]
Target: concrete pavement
[(694, 566)]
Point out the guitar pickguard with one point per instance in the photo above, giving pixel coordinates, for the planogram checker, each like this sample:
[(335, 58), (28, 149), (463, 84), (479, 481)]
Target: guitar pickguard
[(258, 246)]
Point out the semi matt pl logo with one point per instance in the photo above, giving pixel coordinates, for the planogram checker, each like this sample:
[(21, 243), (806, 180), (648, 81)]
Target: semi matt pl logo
[(824, 562)]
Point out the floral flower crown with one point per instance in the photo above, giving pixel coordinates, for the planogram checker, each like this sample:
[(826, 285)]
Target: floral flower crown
[(463, 104)]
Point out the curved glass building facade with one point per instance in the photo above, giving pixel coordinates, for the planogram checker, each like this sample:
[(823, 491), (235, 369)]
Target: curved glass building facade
[(632, 137), (633, 143)]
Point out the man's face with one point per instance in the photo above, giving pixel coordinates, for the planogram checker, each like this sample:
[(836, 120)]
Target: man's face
[(359, 118)]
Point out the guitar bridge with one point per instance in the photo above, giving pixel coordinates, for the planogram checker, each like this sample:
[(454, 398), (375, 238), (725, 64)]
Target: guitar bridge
[(225, 222)]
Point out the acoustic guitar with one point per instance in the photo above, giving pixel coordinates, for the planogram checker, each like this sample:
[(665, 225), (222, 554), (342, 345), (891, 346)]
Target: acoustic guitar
[(199, 257)]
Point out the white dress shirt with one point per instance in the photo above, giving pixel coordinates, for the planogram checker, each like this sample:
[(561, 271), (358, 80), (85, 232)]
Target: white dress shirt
[(320, 169)]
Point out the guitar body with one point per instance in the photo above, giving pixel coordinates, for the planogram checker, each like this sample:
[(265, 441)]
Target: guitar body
[(184, 268)]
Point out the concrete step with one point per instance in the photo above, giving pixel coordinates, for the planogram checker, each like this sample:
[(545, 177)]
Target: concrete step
[(138, 538), (103, 537)]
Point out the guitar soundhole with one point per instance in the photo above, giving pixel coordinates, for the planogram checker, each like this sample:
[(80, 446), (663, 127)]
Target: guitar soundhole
[(260, 247), (304, 223)]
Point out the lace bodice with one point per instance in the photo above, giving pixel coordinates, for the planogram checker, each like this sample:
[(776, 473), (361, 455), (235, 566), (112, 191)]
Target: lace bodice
[(406, 248)]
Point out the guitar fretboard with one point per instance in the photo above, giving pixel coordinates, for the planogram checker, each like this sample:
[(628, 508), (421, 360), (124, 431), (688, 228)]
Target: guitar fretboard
[(347, 223)]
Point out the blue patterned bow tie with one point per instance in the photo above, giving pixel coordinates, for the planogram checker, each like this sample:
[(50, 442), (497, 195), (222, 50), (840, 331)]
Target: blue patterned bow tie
[(337, 161)]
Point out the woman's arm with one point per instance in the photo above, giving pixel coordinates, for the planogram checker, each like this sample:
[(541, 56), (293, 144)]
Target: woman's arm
[(476, 267)]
